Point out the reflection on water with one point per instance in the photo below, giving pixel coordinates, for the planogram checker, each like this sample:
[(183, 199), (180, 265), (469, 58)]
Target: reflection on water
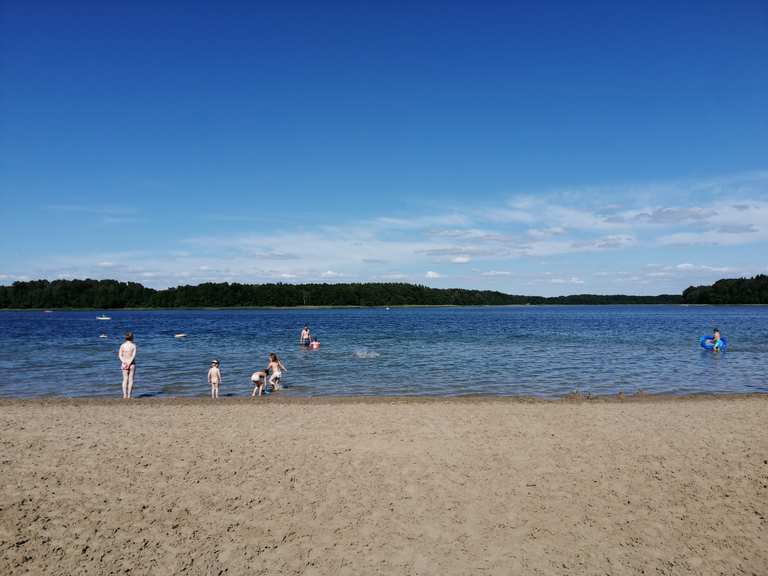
[(540, 351)]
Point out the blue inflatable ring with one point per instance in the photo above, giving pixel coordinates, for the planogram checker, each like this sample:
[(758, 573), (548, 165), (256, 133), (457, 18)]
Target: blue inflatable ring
[(707, 343)]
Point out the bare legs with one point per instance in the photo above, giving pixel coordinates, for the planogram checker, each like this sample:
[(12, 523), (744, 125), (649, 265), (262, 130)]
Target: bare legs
[(259, 380), (214, 390), (128, 380)]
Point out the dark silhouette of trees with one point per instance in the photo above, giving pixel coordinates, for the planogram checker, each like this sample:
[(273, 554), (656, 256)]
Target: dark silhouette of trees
[(104, 294), (730, 291)]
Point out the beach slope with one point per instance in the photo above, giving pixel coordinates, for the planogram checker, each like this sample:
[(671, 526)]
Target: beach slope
[(661, 486)]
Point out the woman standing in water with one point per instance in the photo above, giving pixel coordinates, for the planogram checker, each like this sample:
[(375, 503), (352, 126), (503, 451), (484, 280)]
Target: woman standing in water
[(127, 357)]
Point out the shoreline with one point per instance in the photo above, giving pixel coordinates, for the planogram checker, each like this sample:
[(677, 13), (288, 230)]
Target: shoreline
[(570, 399), (356, 307)]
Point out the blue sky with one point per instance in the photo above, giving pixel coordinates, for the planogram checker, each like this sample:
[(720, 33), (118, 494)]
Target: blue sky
[(538, 148)]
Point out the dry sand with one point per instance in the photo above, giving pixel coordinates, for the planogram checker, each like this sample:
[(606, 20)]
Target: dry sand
[(384, 487)]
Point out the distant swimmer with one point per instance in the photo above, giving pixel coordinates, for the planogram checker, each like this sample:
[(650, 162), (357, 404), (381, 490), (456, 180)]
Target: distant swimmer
[(314, 344), (214, 378), (127, 355), (304, 338)]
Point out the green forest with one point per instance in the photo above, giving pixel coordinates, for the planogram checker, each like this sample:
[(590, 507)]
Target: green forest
[(106, 294), (111, 294), (730, 291)]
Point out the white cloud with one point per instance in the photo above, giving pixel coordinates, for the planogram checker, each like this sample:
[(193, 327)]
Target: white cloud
[(507, 215), (431, 274), (546, 232), (569, 280), (586, 222), (688, 267), (417, 222)]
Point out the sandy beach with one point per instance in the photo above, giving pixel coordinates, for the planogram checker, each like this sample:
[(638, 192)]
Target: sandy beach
[(465, 486)]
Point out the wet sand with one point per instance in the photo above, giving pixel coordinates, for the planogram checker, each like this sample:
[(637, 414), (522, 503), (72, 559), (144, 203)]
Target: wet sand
[(384, 486)]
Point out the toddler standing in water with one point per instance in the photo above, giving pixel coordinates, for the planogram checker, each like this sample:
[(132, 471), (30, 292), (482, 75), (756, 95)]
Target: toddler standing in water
[(214, 378)]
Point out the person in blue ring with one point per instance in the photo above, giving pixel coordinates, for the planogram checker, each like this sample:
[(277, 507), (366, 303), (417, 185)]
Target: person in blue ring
[(717, 343), (305, 337)]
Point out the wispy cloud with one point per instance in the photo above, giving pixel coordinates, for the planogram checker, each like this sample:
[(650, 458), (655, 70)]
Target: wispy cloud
[(599, 223), (89, 209), (568, 280), (108, 215)]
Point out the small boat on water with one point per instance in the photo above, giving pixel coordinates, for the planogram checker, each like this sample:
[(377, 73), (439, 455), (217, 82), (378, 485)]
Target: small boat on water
[(103, 317), (47, 311), (180, 335)]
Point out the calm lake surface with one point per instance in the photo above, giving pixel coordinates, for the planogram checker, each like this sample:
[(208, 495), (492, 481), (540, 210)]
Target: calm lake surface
[(546, 351)]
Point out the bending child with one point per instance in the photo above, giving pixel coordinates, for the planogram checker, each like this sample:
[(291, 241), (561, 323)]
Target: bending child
[(258, 379)]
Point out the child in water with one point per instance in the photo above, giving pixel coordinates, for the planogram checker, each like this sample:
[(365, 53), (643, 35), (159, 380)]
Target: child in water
[(259, 378), (716, 342), (214, 378), (276, 368)]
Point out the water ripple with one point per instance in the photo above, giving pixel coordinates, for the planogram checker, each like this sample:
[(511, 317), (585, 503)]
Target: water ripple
[(532, 351)]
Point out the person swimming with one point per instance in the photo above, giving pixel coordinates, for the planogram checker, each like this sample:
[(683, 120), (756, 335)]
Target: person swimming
[(717, 343), (714, 342), (314, 343)]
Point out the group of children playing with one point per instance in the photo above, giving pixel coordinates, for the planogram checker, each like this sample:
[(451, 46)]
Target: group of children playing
[(270, 375)]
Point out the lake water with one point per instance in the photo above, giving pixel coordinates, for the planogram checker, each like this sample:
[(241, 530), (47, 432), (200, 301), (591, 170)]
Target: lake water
[(547, 351)]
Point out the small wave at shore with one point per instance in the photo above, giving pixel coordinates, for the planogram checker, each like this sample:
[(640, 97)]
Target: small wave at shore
[(366, 354)]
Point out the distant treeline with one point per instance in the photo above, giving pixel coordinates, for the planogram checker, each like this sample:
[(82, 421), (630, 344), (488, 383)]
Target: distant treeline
[(732, 291), (114, 294)]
